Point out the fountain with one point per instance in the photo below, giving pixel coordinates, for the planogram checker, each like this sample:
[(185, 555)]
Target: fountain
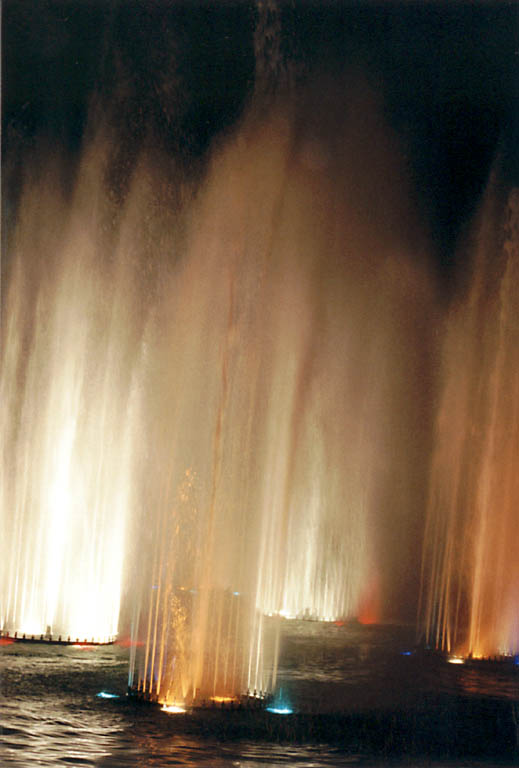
[(286, 329), (256, 413), (215, 409), (70, 410), (470, 572)]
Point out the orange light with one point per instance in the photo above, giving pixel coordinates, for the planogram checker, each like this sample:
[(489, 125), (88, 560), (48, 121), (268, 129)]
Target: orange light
[(369, 607), (128, 643), (223, 699)]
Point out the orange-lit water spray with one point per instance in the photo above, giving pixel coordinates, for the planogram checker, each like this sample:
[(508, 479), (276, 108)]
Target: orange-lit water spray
[(470, 600), (287, 327)]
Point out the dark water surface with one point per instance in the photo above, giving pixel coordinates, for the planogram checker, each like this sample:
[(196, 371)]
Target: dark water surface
[(51, 715)]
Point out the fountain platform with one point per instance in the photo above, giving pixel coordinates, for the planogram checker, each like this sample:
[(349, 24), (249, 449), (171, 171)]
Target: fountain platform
[(47, 639), (246, 701), (498, 662)]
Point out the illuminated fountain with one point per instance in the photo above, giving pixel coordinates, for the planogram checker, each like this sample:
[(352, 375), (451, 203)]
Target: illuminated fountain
[(470, 596), (282, 415), (211, 394), (70, 397), (195, 635)]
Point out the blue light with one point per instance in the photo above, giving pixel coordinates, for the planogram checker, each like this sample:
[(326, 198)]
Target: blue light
[(406, 653), (516, 660), (105, 695), (279, 705), (236, 594)]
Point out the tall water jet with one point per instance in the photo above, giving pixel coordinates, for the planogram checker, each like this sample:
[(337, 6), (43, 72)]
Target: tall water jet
[(70, 396), (470, 574), (287, 330)]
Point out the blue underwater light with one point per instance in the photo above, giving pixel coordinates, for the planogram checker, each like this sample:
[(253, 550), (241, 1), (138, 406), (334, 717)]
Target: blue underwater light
[(280, 710), (406, 653), (105, 695), (279, 706)]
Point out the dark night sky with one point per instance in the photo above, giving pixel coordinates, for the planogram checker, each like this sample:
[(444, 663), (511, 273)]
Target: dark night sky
[(182, 72)]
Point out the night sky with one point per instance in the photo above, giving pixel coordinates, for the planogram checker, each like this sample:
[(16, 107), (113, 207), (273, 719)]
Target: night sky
[(178, 74)]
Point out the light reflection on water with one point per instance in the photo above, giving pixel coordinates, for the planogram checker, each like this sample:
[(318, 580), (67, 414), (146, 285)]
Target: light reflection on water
[(50, 713)]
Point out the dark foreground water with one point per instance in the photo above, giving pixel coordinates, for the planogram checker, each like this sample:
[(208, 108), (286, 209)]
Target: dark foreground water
[(359, 699)]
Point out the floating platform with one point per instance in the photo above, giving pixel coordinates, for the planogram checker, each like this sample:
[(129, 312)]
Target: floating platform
[(46, 639), (493, 662), (497, 662), (246, 701)]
